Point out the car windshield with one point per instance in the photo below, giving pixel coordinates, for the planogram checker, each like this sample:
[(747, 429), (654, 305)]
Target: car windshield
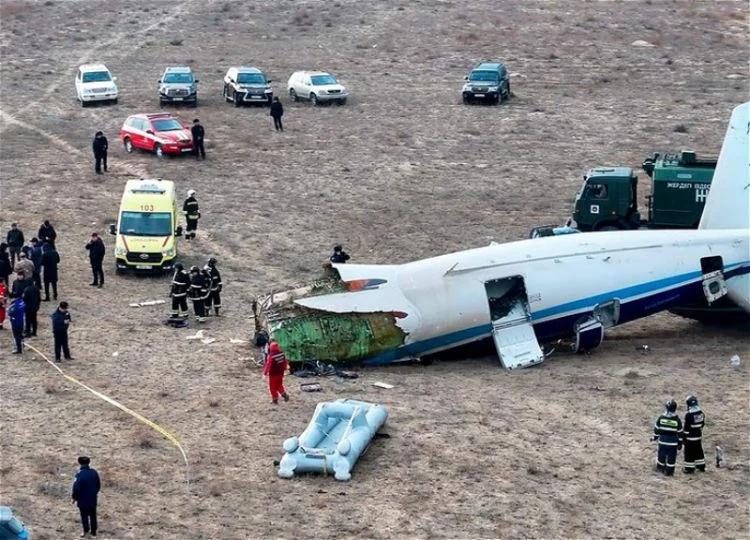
[(96, 76), (483, 76), (169, 124), (184, 78), (146, 223), (320, 80), (251, 78)]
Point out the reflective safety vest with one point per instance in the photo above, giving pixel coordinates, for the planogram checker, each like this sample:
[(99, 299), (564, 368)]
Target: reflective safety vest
[(694, 422), (668, 429)]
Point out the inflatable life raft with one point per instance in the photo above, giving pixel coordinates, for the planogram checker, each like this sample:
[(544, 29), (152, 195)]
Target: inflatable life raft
[(336, 437)]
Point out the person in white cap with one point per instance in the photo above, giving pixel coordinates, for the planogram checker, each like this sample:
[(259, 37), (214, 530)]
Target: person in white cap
[(192, 214)]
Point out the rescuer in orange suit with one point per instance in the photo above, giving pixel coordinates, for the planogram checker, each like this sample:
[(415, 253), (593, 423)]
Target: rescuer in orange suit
[(276, 366)]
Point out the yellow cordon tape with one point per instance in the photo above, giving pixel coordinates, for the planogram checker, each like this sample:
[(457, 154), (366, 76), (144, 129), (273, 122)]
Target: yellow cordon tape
[(123, 408)]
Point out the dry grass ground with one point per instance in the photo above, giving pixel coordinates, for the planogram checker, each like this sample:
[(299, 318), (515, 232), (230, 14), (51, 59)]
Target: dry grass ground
[(401, 172)]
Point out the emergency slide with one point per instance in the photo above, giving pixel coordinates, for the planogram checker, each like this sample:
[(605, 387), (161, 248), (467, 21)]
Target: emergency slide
[(336, 437)]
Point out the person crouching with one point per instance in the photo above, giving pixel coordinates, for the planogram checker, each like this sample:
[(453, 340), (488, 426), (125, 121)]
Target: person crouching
[(275, 367)]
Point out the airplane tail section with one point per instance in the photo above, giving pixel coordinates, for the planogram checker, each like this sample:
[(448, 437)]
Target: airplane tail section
[(728, 203)]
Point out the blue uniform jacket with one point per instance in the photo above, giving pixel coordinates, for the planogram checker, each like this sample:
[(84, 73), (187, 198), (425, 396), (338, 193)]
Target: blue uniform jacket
[(16, 312), (86, 487)]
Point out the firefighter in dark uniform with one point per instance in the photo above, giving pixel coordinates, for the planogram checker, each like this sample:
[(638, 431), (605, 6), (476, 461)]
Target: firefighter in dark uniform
[(692, 433), (339, 255), (180, 286), (216, 286), (668, 431), (197, 293), (192, 214), (206, 291)]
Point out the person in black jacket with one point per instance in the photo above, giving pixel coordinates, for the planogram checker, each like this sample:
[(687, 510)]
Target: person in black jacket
[(198, 135), (15, 241), (86, 487), (100, 146), (35, 254), (339, 255), (32, 297), (60, 322), (46, 233), (96, 257), (5, 268), (50, 260), (277, 111), (19, 285)]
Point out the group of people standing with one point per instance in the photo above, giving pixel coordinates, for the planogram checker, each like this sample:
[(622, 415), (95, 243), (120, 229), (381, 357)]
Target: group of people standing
[(672, 434), (202, 286), (34, 263)]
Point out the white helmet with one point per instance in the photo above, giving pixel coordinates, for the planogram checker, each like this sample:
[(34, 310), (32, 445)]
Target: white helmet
[(191, 192)]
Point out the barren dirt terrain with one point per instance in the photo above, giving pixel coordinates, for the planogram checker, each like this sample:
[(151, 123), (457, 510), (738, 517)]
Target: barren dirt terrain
[(403, 171)]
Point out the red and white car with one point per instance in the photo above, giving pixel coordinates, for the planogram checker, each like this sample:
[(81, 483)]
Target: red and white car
[(160, 133)]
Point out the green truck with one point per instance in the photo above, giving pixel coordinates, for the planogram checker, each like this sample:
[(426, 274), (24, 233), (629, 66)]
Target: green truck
[(608, 198)]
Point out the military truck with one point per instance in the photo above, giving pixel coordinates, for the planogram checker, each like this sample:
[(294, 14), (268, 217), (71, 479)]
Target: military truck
[(608, 198)]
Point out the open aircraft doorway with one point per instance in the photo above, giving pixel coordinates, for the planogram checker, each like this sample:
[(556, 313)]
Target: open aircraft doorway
[(512, 330)]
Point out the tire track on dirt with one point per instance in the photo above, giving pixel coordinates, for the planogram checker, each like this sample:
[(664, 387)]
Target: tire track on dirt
[(69, 149), (89, 53)]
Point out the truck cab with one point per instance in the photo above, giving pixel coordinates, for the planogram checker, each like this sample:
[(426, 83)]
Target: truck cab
[(147, 227), (679, 188), (607, 200)]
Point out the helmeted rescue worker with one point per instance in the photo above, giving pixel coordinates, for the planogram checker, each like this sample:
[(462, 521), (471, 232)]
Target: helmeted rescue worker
[(192, 214), (206, 290), (668, 431), (216, 286), (692, 435), (339, 255), (197, 293), (179, 291), (275, 367)]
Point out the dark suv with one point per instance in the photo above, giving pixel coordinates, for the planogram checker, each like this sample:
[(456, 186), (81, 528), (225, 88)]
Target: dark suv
[(487, 82)]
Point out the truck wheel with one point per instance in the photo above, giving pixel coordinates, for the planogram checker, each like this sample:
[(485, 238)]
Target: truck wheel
[(293, 95), (128, 145), (313, 100)]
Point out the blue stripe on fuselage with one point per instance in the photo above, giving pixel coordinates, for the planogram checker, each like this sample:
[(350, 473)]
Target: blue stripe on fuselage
[(562, 326)]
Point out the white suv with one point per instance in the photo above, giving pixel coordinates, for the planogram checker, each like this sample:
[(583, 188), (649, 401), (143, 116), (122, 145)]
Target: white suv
[(94, 82), (316, 86)]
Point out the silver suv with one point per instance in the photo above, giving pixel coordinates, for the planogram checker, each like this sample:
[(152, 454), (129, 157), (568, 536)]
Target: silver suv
[(178, 85), (316, 87), (247, 85)]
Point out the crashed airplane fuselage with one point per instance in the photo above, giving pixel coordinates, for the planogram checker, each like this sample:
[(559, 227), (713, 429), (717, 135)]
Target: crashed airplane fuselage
[(529, 292)]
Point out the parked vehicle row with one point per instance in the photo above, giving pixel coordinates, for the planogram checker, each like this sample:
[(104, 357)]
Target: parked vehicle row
[(487, 81), (242, 86)]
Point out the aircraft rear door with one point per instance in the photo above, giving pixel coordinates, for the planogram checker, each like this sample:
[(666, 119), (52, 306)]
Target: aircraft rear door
[(714, 286), (512, 330)]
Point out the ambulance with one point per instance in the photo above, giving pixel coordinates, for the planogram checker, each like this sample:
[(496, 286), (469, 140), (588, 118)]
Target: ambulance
[(147, 227)]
